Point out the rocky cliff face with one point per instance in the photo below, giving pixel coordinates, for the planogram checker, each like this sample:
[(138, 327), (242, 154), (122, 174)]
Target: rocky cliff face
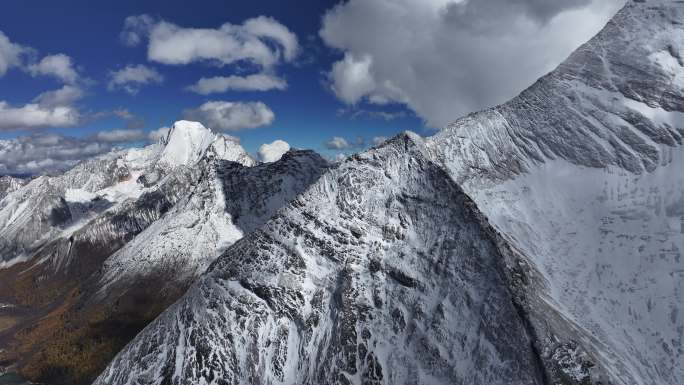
[(381, 272), (581, 175), (9, 184)]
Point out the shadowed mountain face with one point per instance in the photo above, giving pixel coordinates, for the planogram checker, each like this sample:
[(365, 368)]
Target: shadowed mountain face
[(125, 249), (384, 272)]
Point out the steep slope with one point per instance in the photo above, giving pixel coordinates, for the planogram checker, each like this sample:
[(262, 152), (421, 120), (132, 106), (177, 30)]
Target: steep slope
[(582, 173), (616, 101), (9, 184), (381, 272), (231, 200), (187, 142), (58, 231), (49, 208)]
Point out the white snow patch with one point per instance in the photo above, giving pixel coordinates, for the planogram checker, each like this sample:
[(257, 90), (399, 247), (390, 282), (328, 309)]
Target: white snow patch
[(657, 114), (77, 195), (671, 65)]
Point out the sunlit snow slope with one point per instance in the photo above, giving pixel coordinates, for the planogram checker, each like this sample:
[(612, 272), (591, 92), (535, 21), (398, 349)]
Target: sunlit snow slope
[(583, 173)]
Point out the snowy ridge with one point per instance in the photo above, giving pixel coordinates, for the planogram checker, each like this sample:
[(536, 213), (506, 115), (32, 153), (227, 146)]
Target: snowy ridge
[(29, 216), (581, 173), (384, 272), (9, 184), (226, 202), (98, 185), (616, 101), (115, 240), (187, 142), (382, 252)]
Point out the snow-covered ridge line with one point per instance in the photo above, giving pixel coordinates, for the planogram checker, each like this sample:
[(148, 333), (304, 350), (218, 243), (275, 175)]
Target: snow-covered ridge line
[(376, 274), (616, 101), (581, 173)]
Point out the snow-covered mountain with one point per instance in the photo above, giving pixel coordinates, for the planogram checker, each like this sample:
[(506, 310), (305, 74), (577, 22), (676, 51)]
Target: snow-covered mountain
[(385, 272), (230, 200), (582, 173), (537, 242), (381, 272), (116, 239), (49, 208)]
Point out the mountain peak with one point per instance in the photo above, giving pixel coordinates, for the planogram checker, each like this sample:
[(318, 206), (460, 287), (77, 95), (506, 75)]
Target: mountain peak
[(187, 142)]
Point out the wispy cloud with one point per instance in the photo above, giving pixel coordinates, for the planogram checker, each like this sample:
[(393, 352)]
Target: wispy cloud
[(256, 82), (231, 116), (132, 77)]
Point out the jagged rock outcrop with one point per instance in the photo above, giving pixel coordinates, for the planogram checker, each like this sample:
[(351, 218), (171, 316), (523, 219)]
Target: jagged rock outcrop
[(9, 184)]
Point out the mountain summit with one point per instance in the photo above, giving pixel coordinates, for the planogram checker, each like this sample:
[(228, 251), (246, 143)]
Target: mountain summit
[(187, 142), (91, 256)]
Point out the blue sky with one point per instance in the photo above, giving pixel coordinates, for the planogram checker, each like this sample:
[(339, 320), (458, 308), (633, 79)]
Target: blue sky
[(364, 69), (307, 112)]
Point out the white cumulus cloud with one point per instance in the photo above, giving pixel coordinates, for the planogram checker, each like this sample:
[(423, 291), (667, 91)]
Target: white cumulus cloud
[(445, 58), (337, 143), (59, 66), (262, 41), (40, 153), (65, 96), (52, 108), (36, 115), (256, 82), (272, 152), (132, 77), (10, 54), (231, 116)]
